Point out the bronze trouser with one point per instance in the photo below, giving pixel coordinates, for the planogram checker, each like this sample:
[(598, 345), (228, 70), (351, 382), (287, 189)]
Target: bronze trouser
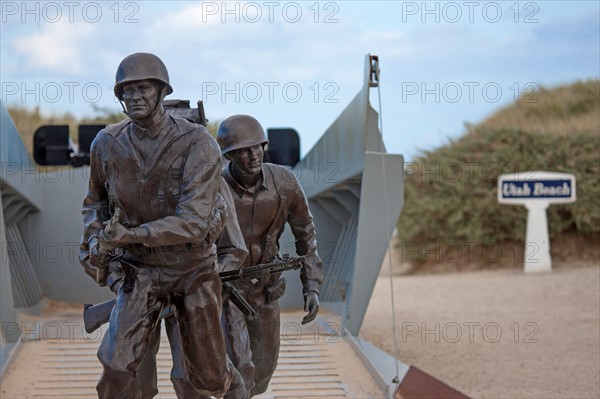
[(195, 296), (253, 345), (147, 372), (238, 342), (183, 389), (264, 343)]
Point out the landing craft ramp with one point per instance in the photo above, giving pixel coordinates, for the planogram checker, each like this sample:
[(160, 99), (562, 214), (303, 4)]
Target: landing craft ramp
[(354, 209), (57, 359)]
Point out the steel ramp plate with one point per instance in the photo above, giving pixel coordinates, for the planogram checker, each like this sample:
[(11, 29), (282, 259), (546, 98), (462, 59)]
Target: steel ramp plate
[(58, 359)]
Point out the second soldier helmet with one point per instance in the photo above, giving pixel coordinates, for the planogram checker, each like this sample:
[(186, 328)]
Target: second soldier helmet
[(140, 66), (240, 131)]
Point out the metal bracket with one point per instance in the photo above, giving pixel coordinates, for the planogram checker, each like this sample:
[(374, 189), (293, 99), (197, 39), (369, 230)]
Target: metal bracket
[(374, 71)]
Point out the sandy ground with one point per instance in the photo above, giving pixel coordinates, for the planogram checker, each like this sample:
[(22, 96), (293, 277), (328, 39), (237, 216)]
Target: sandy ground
[(496, 334), (490, 334)]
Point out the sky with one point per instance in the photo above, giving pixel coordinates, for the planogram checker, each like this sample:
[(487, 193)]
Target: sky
[(298, 64)]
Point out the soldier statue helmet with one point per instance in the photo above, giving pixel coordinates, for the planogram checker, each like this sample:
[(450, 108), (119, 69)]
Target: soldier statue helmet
[(141, 66), (240, 131)]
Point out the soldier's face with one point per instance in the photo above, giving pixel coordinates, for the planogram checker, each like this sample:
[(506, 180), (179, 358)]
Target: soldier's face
[(248, 160), (140, 98)]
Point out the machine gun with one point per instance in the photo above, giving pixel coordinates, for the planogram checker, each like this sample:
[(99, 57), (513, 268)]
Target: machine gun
[(96, 315)]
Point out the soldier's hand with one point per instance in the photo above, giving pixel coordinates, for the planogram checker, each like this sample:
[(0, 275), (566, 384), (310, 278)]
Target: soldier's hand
[(122, 236), (98, 256), (257, 298), (311, 305)]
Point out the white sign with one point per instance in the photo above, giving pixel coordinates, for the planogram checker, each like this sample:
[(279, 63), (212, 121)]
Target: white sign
[(521, 188), (537, 190)]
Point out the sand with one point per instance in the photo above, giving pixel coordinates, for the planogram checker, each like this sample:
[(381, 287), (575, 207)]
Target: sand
[(496, 334)]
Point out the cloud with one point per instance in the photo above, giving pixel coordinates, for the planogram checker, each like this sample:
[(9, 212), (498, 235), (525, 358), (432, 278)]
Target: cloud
[(56, 48), (200, 46), (231, 47)]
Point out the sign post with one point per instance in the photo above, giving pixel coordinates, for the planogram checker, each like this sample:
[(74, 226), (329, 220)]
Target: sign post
[(536, 191)]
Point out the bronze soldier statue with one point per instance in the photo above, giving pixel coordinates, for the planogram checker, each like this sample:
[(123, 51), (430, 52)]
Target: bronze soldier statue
[(231, 252), (266, 197), (163, 173)]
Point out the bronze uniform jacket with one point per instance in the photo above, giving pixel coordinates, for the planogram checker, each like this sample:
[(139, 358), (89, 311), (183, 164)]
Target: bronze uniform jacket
[(174, 194), (263, 214)]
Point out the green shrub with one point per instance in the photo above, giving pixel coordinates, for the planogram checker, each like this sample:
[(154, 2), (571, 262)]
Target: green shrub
[(451, 192)]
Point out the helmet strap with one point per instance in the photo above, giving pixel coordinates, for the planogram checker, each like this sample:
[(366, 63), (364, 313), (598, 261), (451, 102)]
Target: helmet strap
[(163, 94), (246, 177), (123, 106), (240, 170)]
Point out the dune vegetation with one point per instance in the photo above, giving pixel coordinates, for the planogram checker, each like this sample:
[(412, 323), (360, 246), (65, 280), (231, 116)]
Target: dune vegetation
[(451, 214)]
